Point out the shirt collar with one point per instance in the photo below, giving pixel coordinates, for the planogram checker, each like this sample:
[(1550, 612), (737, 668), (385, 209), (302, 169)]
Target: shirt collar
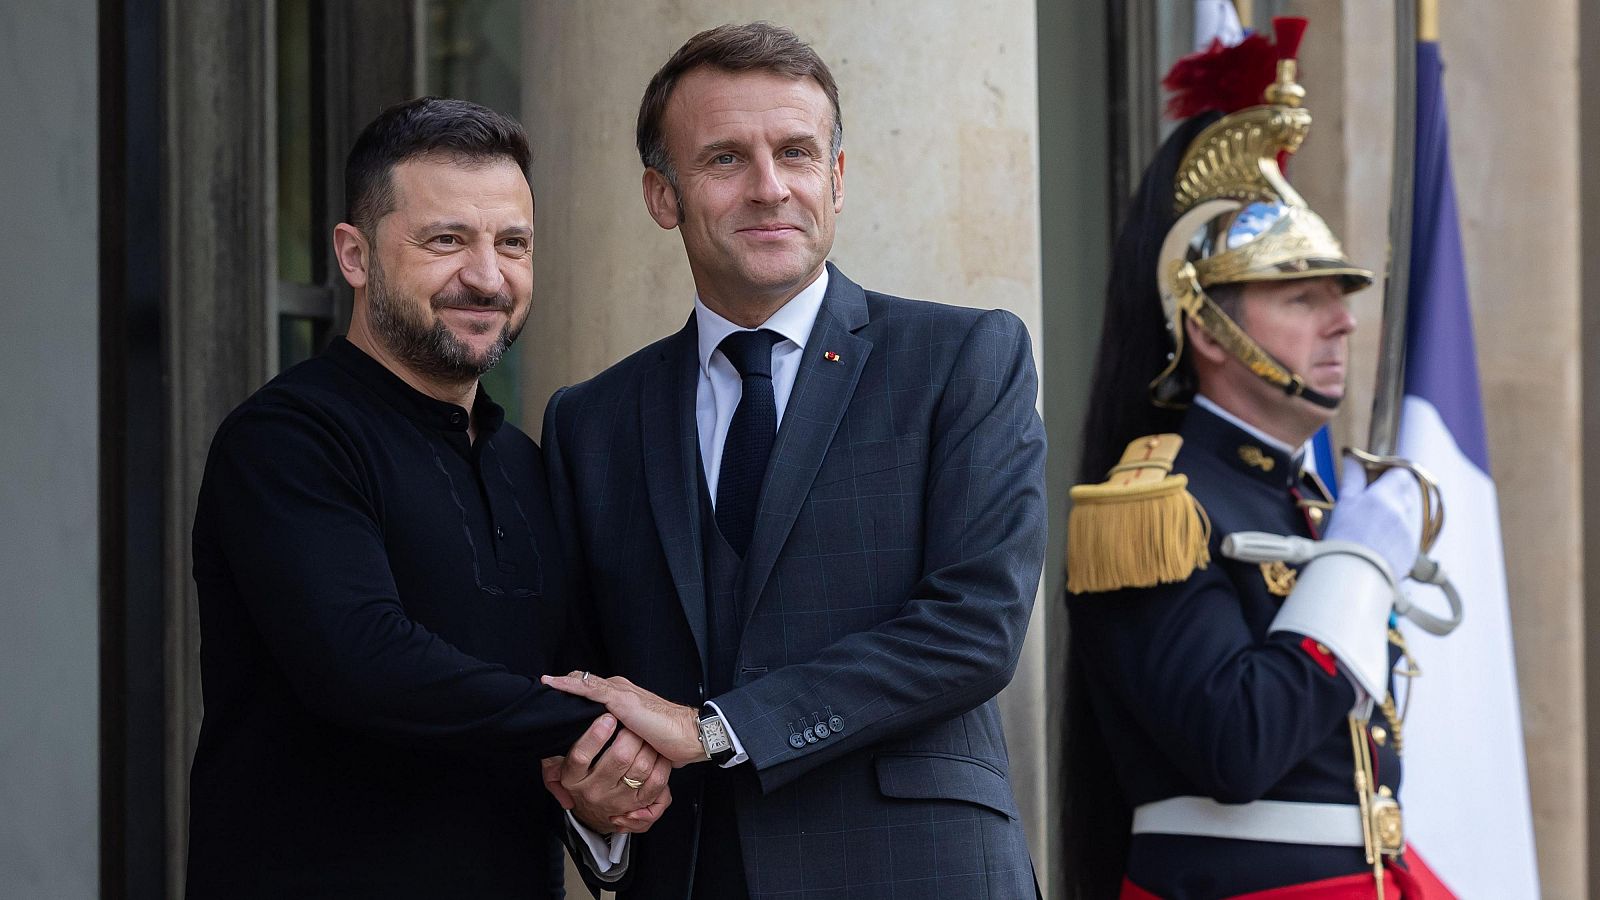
[(793, 320), (411, 402)]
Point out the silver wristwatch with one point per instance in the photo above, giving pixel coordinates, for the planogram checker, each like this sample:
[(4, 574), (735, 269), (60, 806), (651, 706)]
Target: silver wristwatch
[(714, 736)]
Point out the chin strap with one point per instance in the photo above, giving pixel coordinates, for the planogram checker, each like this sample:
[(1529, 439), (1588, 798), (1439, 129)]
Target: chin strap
[(1193, 302)]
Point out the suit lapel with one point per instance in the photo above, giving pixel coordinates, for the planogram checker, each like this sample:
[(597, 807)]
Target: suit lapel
[(831, 366), (672, 456)]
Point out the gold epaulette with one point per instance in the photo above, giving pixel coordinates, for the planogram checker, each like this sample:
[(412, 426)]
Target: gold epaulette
[(1139, 528)]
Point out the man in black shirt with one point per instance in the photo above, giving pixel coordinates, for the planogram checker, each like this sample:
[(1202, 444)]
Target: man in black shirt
[(379, 573)]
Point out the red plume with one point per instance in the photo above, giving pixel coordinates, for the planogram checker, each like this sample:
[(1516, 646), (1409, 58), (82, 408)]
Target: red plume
[(1228, 79), (1288, 30)]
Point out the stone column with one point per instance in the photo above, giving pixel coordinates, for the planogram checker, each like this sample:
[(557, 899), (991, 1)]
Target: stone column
[(940, 113)]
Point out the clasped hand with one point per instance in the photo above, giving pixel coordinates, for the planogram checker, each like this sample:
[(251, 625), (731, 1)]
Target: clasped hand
[(656, 736), (596, 782)]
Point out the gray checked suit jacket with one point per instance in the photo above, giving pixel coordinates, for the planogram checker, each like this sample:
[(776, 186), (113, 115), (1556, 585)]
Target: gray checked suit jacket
[(897, 549)]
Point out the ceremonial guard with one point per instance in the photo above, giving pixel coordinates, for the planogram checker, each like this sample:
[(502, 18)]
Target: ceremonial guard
[(1241, 699)]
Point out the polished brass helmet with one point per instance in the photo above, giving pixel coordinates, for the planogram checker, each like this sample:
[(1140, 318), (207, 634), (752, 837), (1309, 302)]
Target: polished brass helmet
[(1240, 221)]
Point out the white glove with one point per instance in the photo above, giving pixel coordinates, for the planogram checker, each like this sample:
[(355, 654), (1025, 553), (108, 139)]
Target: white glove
[(1385, 516)]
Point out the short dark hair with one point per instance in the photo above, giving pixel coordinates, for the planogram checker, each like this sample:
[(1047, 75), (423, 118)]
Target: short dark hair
[(427, 126), (733, 48)]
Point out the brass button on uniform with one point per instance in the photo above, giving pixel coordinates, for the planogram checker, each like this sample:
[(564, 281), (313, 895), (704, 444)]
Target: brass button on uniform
[(1315, 514), (1380, 735), (1323, 649)]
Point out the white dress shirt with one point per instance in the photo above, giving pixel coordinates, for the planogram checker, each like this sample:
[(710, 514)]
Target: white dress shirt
[(716, 397), (720, 387)]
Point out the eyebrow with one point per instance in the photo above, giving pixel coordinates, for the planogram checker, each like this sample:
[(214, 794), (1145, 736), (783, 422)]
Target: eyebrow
[(801, 138), (443, 225)]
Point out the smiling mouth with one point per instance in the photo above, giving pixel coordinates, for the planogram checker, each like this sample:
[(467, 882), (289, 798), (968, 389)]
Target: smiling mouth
[(774, 230)]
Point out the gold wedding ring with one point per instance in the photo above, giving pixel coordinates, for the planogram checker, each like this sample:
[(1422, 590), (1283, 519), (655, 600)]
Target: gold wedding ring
[(632, 782)]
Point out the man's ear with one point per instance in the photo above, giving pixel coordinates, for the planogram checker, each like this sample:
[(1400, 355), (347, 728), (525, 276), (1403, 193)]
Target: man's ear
[(838, 183), (1202, 344), (661, 198), (350, 248)]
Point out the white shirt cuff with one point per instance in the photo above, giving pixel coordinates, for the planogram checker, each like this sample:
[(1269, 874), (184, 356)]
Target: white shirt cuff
[(739, 755), (607, 854)]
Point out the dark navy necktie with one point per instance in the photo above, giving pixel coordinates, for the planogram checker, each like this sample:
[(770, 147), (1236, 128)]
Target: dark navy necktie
[(750, 435)]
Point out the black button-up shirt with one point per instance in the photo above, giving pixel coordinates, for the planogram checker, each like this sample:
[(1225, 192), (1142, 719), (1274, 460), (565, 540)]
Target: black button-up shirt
[(378, 596)]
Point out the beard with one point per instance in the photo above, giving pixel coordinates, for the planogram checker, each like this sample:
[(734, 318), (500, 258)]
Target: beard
[(428, 347)]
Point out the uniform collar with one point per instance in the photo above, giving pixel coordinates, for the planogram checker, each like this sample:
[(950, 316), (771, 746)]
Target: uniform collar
[(1241, 447), (409, 401)]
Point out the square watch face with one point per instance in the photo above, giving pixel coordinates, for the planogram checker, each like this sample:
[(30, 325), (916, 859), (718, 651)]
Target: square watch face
[(716, 735)]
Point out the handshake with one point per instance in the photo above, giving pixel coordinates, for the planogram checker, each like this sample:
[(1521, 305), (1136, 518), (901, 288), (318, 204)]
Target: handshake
[(614, 779)]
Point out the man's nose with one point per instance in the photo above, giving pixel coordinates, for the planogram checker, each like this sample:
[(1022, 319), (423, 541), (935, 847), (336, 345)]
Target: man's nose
[(767, 184), (1344, 320), (480, 272)]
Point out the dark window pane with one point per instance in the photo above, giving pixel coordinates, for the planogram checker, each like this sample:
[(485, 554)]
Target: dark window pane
[(299, 339), (474, 52)]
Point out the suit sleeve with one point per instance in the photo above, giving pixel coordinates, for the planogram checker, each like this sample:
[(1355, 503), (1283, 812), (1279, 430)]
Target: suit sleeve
[(582, 645), (584, 649), (1232, 713), (956, 641), (304, 547)]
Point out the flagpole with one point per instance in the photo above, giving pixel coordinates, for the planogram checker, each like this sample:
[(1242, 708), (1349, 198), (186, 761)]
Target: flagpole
[(1382, 436), (1246, 14)]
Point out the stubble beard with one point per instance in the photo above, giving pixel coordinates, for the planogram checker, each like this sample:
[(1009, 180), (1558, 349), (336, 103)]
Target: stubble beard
[(432, 349)]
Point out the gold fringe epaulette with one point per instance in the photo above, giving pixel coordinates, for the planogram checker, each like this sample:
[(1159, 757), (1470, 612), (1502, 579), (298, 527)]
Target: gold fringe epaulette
[(1141, 527)]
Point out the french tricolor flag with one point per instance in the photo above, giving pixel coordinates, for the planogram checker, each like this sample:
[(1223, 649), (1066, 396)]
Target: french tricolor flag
[(1465, 789)]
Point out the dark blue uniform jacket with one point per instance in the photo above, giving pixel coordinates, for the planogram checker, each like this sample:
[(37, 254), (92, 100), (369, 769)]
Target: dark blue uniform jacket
[(1194, 698)]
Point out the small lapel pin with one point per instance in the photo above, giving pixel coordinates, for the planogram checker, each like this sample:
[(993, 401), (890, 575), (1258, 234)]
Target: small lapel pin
[(831, 356)]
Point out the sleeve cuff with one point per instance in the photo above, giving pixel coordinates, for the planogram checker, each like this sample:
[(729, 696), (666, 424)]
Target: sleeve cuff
[(607, 856), (739, 755), (1343, 601)]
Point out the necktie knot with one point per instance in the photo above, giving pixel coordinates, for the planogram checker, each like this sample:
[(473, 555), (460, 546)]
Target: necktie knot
[(750, 351)]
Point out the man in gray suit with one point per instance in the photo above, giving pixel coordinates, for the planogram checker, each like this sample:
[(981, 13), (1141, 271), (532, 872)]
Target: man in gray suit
[(808, 527)]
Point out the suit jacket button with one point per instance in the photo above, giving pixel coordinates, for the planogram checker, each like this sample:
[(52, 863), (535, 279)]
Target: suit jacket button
[(811, 735), (835, 724), (821, 729), (796, 741)]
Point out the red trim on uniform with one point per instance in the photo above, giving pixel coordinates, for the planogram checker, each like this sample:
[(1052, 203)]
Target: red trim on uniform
[(1322, 656), (1345, 887), (1131, 891)]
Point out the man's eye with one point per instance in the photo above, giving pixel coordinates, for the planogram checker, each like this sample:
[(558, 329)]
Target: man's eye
[(723, 159), (794, 153), (448, 240)]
